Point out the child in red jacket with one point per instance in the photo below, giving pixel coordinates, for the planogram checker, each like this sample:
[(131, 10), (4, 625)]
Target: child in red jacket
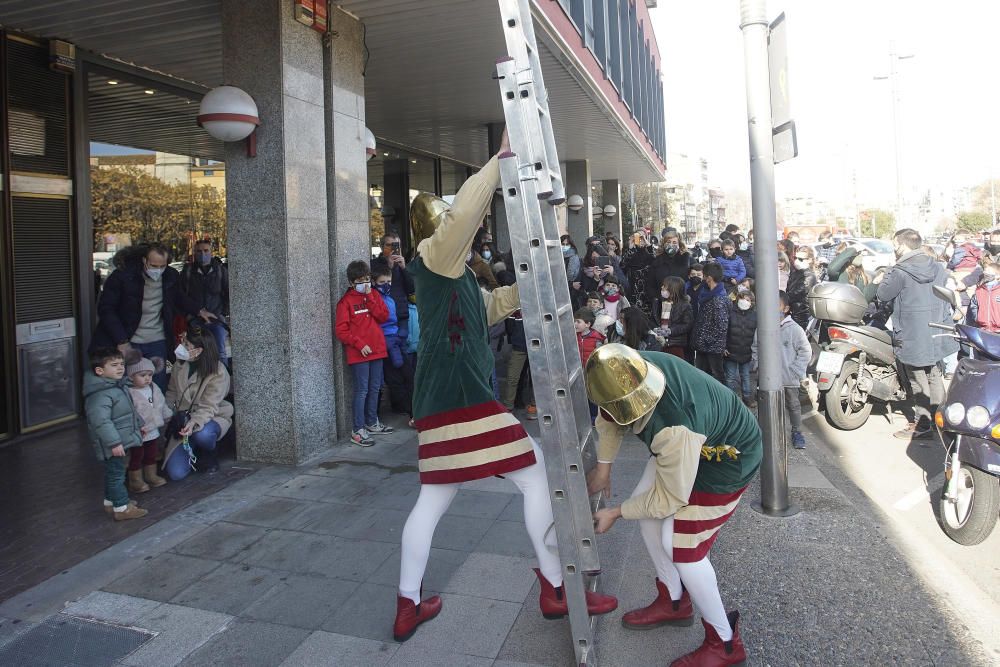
[(359, 314), (589, 340)]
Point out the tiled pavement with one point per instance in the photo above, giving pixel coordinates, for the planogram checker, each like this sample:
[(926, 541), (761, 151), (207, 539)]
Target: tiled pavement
[(50, 486), (299, 567)]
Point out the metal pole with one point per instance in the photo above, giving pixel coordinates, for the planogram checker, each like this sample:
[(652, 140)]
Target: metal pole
[(895, 136), (771, 408)]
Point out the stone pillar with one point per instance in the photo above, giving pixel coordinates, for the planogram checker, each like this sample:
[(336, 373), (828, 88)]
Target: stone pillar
[(279, 250), (501, 233), (611, 194), (576, 179), (346, 178)]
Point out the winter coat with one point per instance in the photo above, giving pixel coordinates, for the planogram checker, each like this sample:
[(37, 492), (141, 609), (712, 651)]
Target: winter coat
[(153, 411), (594, 284), (795, 352), (636, 263), (800, 281), (357, 325), (616, 307), (681, 322), (573, 265), (733, 268), (208, 286), (120, 307), (515, 332), (747, 257), (838, 265), (965, 257), (589, 342), (402, 286), (204, 400), (646, 342), (111, 416), (909, 285), (665, 266), (711, 323), (390, 326), (984, 309), (742, 330)]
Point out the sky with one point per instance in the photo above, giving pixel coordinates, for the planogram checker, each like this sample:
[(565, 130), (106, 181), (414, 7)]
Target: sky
[(948, 93)]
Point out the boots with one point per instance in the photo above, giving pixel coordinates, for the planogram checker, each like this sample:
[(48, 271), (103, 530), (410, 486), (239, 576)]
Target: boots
[(553, 602), (135, 482), (154, 480), (714, 652), (109, 509), (663, 611), (131, 512), (410, 615)]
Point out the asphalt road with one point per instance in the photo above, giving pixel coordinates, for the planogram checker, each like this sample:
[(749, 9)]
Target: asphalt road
[(900, 482)]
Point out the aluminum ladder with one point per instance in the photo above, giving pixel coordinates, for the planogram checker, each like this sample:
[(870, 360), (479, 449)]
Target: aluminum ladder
[(532, 186)]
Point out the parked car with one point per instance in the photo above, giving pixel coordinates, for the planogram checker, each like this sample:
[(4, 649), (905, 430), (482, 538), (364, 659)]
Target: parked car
[(876, 253)]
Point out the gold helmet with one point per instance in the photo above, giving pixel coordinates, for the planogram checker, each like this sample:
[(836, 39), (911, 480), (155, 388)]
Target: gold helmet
[(622, 384), (426, 213)]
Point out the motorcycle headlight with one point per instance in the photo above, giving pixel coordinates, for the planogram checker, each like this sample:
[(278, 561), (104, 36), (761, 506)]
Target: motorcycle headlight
[(955, 413), (978, 417)]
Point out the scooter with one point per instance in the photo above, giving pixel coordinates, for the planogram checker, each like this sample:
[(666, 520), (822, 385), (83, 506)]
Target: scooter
[(855, 364), (968, 424)]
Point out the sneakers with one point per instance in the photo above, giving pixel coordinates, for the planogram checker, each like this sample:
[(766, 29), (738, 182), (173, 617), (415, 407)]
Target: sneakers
[(378, 428), (361, 438), (913, 431), (532, 412), (750, 402), (798, 440)]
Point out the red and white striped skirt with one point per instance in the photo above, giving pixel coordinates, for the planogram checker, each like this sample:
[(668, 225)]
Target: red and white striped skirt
[(471, 443), (697, 525)]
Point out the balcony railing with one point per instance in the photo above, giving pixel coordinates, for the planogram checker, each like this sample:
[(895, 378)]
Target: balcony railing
[(611, 31)]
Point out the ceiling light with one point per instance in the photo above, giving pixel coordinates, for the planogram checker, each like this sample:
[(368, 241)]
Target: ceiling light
[(149, 91), (413, 161), (112, 82), (385, 154)]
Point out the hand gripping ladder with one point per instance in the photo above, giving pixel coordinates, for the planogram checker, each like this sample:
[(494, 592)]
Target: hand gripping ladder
[(532, 186)]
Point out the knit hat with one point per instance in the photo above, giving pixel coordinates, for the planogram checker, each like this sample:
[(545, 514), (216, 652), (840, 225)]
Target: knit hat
[(139, 366)]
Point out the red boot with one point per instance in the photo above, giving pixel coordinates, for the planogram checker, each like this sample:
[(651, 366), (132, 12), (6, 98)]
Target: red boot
[(663, 611), (714, 652), (553, 602), (410, 615)]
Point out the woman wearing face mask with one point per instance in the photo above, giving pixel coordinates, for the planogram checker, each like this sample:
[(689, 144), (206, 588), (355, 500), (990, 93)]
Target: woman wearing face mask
[(801, 279), (199, 383), (480, 265), (571, 259), (614, 246), (206, 281), (984, 307), (672, 259), (632, 328), (674, 316)]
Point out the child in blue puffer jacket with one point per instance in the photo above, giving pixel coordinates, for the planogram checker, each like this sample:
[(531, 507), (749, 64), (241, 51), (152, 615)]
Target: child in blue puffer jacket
[(734, 271)]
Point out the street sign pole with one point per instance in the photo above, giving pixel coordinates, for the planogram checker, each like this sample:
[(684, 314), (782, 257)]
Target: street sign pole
[(771, 409)]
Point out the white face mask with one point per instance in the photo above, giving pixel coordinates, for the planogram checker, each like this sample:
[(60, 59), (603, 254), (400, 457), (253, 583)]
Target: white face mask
[(487, 254), (182, 353), (743, 304), (664, 294), (362, 288), (154, 274), (619, 328), (802, 264)]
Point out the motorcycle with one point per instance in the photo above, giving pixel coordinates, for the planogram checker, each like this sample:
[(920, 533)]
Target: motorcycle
[(855, 364), (968, 424)]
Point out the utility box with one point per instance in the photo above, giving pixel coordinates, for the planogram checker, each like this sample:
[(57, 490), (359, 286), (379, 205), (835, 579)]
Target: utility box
[(47, 372)]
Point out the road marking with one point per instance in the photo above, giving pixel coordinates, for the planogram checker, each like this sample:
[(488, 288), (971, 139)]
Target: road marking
[(918, 495)]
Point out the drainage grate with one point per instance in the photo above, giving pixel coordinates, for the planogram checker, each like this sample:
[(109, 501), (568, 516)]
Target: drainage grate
[(67, 641)]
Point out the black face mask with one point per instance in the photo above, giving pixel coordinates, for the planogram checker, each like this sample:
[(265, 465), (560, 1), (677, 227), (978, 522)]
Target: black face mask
[(992, 248), (695, 280), (715, 252)]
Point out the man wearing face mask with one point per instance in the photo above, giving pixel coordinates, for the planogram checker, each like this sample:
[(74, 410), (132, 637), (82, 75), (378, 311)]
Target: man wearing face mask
[(479, 262), (139, 302), (206, 282), (991, 249), (909, 286), (827, 250)]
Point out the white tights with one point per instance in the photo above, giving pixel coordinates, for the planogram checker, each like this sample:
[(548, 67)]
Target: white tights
[(433, 502), (698, 578)]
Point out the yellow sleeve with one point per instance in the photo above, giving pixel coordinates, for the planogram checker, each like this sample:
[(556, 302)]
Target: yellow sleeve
[(677, 450), (609, 439), (444, 252), (500, 303)]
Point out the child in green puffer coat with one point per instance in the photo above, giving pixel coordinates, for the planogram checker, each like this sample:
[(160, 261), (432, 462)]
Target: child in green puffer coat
[(114, 427)]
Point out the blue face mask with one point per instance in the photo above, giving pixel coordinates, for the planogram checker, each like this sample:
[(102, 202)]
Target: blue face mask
[(203, 258), (487, 254), (566, 249), (619, 328), (384, 288)]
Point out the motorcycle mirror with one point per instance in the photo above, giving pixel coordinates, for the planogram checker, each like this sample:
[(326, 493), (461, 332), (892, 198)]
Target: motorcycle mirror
[(948, 296)]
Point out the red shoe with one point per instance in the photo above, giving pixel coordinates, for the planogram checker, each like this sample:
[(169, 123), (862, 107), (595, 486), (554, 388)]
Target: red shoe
[(714, 652), (410, 615), (553, 602), (663, 611)]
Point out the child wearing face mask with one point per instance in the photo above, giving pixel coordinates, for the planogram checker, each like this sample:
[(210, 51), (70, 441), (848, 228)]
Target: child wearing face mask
[(358, 319), (395, 340), (984, 308), (739, 343), (614, 301), (152, 409), (589, 340), (674, 317), (595, 303)]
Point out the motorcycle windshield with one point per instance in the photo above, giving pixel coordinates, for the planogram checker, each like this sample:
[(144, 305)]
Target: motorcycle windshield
[(984, 341)]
